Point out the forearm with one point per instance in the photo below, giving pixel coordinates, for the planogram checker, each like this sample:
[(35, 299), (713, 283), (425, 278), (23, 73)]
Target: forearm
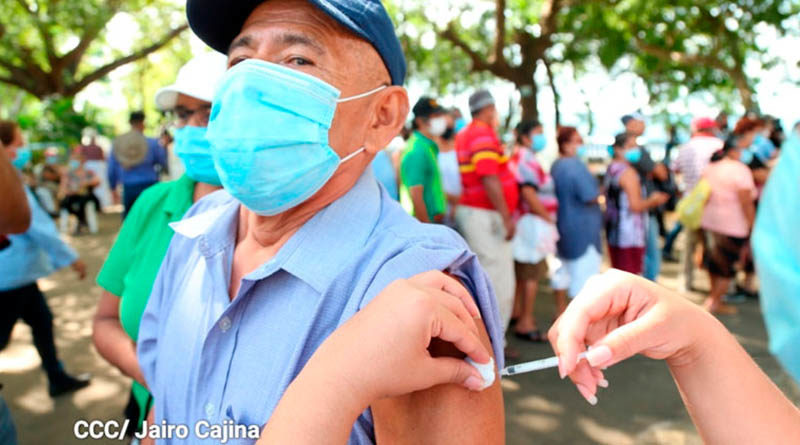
[(14, 205), (532, 199), (494, 190), (328, 409), (418, 200), (116, 347), (719, 382)]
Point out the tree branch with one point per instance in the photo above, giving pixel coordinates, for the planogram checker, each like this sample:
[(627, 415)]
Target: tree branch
[(682, 58), (548, 21), (73, 89), (500, 32), (478, 62), (47, 38)]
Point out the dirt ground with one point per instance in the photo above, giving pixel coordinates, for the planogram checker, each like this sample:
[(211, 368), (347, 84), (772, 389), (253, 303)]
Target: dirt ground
[(642, 405)]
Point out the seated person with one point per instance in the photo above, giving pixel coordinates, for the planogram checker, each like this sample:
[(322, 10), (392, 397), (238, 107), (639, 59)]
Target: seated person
[(77, 183)]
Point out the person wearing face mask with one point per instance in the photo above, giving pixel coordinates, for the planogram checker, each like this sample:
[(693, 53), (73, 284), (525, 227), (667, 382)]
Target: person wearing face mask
[(129, 270), (728, 214), (303, 237), (77, 195), (579, 218), (536, 234), (422, 193), (626, 207), (27, 257), (448, 167), (489, 196)]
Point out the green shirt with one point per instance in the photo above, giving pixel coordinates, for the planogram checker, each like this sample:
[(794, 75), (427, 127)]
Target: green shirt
[(135, 258), (419, 166)]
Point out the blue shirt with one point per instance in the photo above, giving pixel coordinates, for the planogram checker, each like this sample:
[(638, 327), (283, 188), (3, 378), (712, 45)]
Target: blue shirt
[(34, 254), (206, 357), (144, 173), (385, 172), (580, 219)]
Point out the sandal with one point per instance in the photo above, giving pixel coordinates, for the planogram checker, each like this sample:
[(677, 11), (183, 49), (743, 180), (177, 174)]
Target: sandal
[(534, 336)]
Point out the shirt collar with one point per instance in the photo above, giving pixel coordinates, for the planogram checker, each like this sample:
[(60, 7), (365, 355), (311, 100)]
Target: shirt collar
[(181, 194), (427, 141), (319, 249)]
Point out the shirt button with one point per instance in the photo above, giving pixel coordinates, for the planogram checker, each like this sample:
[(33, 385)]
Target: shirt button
[(210, 409), (225, 324)]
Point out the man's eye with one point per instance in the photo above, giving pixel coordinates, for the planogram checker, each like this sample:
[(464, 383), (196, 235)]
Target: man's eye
[(236, 60), (300, 61)]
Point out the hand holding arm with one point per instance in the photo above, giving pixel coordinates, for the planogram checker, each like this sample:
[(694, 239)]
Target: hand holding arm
[(620, 315), (381, 352)]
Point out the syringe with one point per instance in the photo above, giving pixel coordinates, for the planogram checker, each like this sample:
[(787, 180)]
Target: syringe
[(535, 365)]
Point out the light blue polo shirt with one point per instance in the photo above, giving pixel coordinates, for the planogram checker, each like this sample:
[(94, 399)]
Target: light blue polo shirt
[(208, 358)]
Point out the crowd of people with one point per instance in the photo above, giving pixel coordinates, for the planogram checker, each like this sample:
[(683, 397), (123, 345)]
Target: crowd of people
[(297, 244)]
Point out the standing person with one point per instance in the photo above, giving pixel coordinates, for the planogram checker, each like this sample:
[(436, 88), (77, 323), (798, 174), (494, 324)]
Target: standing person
[(77, 197), (34, 254), (15, 217), (489, 196), (579, 219), (135, 162), (448, 167), (626, 207), (729, 213), (421, 192), (650, 174), (536, 234), (693, 158), (129, 271), (723, 127)]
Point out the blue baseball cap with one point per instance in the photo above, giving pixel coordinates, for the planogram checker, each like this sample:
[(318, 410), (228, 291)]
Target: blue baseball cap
[(217, 23)]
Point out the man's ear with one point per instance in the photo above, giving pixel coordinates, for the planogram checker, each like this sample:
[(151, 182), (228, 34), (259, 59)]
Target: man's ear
[(391, 111)]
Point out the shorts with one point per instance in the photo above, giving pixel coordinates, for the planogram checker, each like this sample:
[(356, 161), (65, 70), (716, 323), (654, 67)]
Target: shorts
[(628, 259), (572, 275), (722, 254), (530, 272)]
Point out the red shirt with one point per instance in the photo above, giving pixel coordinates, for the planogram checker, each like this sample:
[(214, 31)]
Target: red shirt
[(481, 154)]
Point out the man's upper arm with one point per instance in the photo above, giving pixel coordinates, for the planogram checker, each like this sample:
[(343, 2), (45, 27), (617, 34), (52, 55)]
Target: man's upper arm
[(445, 413)]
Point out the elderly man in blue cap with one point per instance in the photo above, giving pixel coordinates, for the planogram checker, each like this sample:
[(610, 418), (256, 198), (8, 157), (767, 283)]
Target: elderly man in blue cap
[(302, 237)]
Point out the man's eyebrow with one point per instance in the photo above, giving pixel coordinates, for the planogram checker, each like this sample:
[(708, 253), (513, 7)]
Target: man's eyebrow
[(245, 41), (292, 38)]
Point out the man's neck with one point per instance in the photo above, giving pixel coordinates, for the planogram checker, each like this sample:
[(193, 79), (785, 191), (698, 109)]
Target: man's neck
[(202, 189), (425, 133)]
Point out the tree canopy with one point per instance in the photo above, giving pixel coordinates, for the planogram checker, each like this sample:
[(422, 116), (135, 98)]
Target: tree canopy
[(59, 47), (677, 47)]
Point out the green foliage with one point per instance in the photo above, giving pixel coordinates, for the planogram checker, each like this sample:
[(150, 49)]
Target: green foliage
[(58, 121), (58, 47)]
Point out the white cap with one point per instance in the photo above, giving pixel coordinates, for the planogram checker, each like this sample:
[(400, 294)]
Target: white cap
[(199, 78)]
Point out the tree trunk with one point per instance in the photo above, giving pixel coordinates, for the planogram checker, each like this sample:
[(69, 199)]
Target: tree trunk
[(745, 92), (556, 96), (528, 93)]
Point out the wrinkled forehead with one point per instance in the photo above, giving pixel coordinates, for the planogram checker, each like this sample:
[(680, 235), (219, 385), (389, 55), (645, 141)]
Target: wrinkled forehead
[(280, 23)]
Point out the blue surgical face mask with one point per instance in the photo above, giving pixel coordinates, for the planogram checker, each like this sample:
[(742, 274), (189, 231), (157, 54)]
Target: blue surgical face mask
[(763, 148), (194, 149), (460, 124), (633, 155), (746, 156), (23, 157), (74, 164), (539, 142), (582, 151), (269, 135)]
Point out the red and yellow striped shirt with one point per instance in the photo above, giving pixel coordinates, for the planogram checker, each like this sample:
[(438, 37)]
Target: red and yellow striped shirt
[(480, 154)]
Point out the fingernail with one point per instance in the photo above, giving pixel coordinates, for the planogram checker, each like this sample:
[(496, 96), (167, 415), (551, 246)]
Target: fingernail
[(473, 383), (561, 372), (603, 383), (591, 398), (598, 356)]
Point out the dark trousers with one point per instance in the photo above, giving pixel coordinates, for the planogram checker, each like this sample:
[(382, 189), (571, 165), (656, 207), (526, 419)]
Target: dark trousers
[(129, 194), (29, 304), (76, 205)]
